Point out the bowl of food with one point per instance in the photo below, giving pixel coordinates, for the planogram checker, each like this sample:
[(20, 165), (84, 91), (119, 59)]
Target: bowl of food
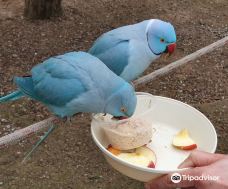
[(170, 131)]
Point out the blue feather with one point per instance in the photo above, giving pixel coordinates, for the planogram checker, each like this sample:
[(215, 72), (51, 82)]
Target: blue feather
[(25, 85), (12, 96), (116, 57), (63, 82)]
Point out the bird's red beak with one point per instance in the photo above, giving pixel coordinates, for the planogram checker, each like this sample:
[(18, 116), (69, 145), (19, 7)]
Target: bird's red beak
[(171, 48)]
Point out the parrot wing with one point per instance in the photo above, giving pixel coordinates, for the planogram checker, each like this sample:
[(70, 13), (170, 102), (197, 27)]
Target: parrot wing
[(114, 52), (57, 82)]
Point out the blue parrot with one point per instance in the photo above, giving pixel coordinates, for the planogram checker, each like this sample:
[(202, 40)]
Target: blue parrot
[(76, 82), (129, 50)]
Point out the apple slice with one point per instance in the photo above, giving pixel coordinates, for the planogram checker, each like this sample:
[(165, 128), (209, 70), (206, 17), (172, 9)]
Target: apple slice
[(142, 156), (113, 150), (147, 152), (183, 141)]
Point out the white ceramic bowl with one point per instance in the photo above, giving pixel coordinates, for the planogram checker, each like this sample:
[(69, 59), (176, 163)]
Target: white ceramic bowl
[(168, 117)]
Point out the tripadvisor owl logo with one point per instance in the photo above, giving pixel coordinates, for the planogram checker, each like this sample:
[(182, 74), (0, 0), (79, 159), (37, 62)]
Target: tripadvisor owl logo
[(175, 177)]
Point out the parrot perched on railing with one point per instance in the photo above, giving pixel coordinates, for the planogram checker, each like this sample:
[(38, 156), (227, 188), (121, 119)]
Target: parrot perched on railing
[(129, 50), (76, 82)]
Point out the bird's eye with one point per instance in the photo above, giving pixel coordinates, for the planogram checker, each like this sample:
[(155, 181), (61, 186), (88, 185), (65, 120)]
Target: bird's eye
[(162, 40), (123, 109)]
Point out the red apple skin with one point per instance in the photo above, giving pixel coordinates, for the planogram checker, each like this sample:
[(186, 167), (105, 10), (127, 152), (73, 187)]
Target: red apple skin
[(190, 147), (151, 165)]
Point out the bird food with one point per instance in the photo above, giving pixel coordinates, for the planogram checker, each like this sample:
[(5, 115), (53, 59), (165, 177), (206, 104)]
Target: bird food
[(127, 134)]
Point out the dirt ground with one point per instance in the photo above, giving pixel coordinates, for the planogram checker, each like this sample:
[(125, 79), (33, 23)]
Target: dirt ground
[(69, 158)]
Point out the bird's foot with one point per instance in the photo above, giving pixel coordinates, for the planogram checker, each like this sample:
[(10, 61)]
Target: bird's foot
[(64, 120), (69, 119)]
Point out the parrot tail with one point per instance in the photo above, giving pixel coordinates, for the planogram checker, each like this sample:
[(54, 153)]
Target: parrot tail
[(12, 96), (42, 138)]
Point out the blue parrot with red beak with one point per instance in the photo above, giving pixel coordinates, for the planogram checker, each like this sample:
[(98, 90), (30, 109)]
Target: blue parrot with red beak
[(129, 50)]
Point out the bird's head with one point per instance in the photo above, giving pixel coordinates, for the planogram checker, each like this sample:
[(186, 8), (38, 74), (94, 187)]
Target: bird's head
[(122, 102), (161, 37)]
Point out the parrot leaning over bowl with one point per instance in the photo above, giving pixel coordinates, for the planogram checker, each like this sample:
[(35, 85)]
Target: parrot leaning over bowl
[(76, 82), (129, 50)]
